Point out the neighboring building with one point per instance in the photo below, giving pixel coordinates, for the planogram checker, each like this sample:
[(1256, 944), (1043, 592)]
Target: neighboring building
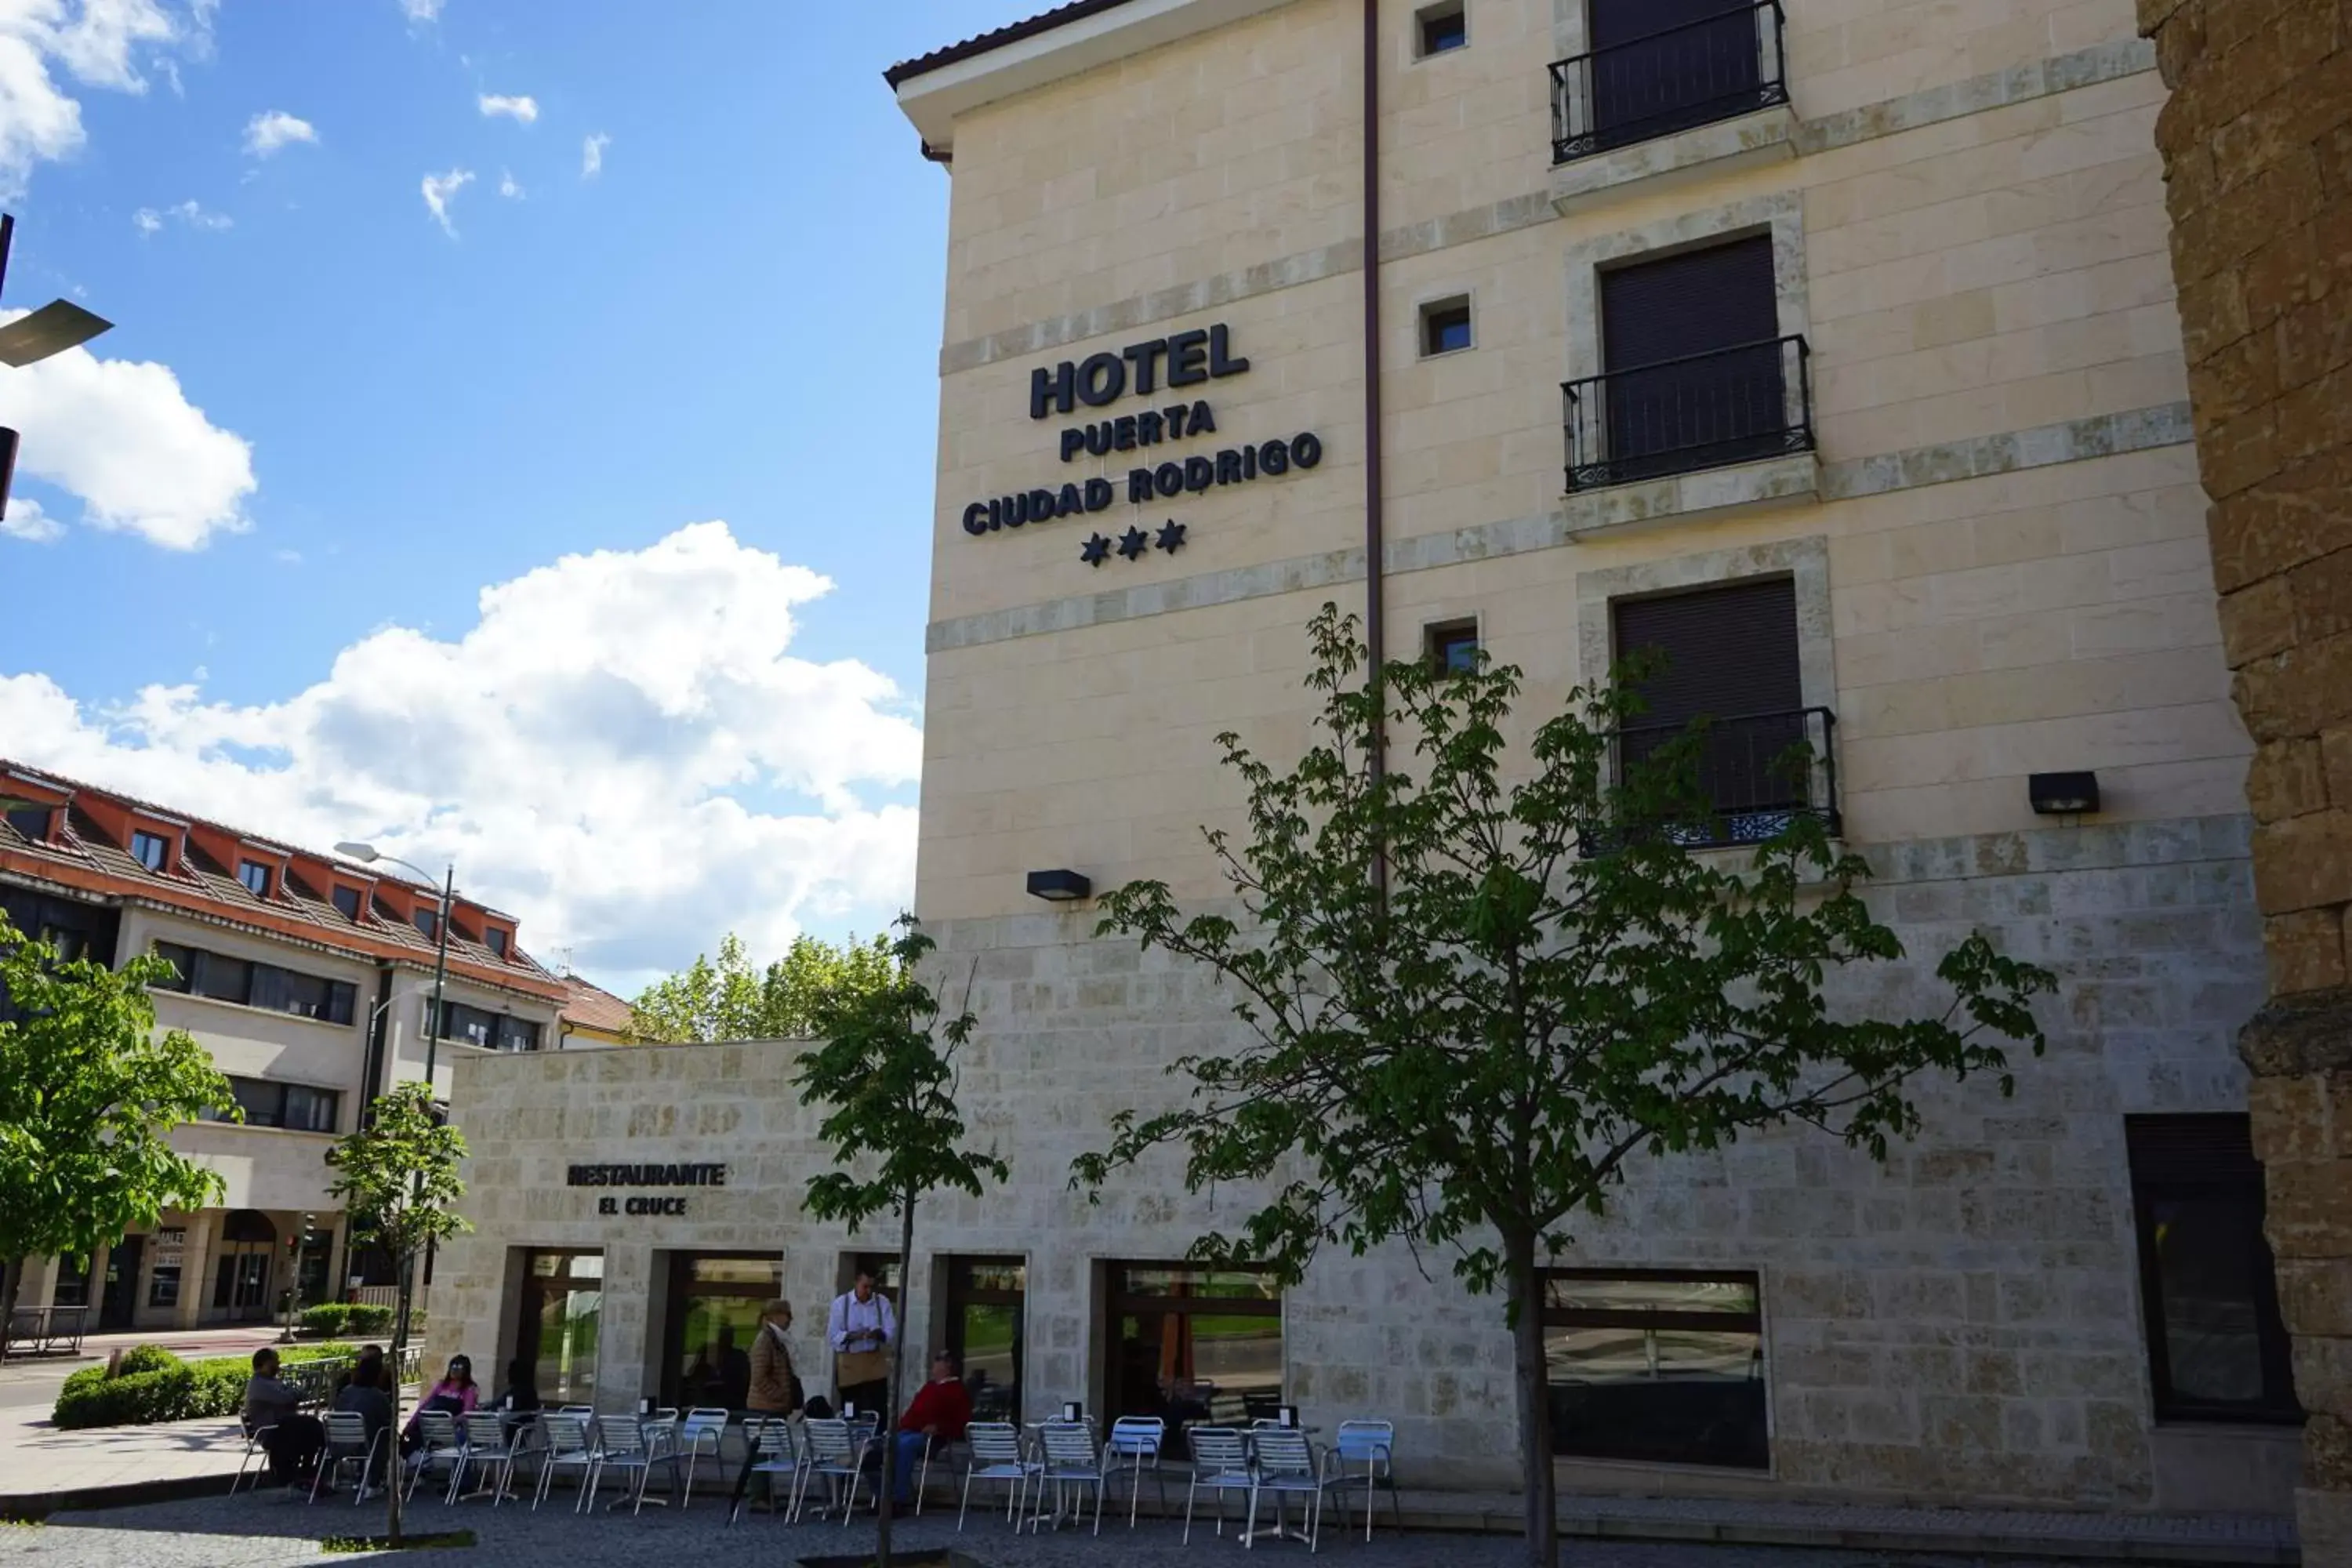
[(593, 1017), (309, 979), (2258, 162), (1834, 350)]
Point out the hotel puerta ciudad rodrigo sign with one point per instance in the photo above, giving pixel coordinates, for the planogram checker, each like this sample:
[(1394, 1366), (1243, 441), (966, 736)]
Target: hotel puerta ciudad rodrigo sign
[(1157, 369)]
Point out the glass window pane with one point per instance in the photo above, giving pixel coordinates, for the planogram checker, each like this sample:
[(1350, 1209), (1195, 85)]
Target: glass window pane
[(2205, 1269), (1590, 1294), (264, 1104), (347, 900), (561, 1311), (1673, 1396), (764, 1272)]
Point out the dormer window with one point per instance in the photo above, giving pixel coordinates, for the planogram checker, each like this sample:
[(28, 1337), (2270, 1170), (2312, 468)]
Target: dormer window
[(32, 821), (150, 849), (347, 900), (255, 876), (423, 918), (497, 942)]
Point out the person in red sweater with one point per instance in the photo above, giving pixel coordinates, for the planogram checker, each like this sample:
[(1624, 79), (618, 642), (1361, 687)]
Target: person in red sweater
[(939, 1412)]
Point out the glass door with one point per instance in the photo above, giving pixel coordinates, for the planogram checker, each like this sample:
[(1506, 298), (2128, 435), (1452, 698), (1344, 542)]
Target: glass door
[(987, 1311), (713, 1317), (562, 1308)]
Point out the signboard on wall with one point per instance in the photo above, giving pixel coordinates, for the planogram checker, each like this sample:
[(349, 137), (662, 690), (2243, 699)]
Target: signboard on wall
[(645, 1175)]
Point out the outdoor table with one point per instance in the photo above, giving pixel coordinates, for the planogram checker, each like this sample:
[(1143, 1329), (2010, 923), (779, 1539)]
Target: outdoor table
[(1276, 1531)]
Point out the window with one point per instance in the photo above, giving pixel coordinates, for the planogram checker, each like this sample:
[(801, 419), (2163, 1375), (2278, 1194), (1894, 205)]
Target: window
[(73, 1283), (987, 1312), (1440, 28), (294, 1106), (713, 1316), (2217, 1349), (1445, 326), (496, 939), (1658, 66), (1654, 1366), (1189, 1343), (221, 978), (32, 821), (423, 918), (241, 1283), (517, 1034), (347, 900), (163, 1284), (1451, 647), (255, 876), (563, 1309), (263, 986), (1728, 655), (151, 850)]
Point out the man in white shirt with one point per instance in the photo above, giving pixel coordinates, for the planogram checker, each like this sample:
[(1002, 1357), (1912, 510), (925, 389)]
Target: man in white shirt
[(862, 1328)]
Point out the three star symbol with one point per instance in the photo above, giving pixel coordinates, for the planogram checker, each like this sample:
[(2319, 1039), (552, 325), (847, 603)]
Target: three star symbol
[(1132, 543)]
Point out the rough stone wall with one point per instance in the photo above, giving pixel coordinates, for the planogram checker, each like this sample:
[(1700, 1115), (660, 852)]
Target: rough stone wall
[(2257, 144)]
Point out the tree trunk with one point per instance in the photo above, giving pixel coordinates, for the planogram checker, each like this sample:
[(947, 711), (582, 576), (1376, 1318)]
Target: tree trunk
[(8, 1302), (1542, 1497), (889, 1485), (395, 1468)]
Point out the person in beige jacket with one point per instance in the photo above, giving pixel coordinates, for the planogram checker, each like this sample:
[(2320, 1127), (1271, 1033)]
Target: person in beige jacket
[(775, 1386)]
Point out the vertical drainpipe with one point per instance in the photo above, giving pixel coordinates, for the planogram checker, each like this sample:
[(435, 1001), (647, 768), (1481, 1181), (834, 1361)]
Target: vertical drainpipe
[(1375, 640)]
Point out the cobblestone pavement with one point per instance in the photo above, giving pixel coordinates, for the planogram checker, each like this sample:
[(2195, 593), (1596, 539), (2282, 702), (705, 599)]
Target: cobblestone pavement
[(266, 1531)]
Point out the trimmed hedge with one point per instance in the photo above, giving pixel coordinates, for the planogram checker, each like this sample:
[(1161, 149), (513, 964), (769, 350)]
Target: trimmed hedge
[(146, 1358), (336, 1319), (180, 1391)]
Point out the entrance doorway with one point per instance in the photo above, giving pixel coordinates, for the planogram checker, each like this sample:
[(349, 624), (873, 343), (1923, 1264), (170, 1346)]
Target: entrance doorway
[(713, 1317), (120, 1299), (241, 1272)]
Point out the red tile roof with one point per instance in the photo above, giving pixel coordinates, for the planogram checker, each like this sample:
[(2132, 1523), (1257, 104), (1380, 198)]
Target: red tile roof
[(83, 855), (1012, 33), (593, 1007)]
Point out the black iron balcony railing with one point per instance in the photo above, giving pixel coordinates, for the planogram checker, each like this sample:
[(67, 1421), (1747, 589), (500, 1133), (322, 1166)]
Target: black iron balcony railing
[(1757, 774), (1702, 411), (1714, 68)]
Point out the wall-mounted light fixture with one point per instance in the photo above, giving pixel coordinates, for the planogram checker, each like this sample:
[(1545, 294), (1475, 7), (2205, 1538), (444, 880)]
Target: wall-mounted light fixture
[(2062, 795), (1059, 886)]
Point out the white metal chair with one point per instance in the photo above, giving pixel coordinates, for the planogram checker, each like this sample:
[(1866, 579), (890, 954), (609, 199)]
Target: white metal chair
[(993, 1452), (775, 1454), (1135, 1443), (347, 1444), (1283, 1463), (1371, 1445), (1071, 1461), (492, 1457), (255, 1439), (836, 1450), (702, 1430), (1220, 1464), (564, 1444), (635, 1449), (442, 1446)]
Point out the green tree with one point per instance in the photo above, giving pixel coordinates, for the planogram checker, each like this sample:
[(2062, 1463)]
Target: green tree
[(886, 1075), (728, 999), (398, 1179), (1478, 988), (89, 1096)]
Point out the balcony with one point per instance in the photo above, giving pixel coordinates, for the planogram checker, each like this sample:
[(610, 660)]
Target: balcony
[(1717, 68), (1758, 775), (1710, 410)]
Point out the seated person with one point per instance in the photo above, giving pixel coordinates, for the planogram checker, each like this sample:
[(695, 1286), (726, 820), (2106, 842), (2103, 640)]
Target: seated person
[(522, 1386), (367, 1393), (273, 1409), (457, 1394), (937, 1413)]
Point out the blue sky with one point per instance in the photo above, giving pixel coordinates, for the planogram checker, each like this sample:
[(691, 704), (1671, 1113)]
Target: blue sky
[(734, 318)]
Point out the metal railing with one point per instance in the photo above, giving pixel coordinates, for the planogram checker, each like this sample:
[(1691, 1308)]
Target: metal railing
[(1758, 775), (1714, 68), (1701, 411)]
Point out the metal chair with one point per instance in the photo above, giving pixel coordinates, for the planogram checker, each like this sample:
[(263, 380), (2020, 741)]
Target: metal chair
[(494, 1457), (564, 1443), (837, 1451), (701, 1430), (1136, 1440), (443, 1446), (1371, 1445), (632, 1447), (1220, 1463), (775, 1454), (348, 1443), (1283, 1463), (1071, 1459), (254, 1445), (993, 1452)]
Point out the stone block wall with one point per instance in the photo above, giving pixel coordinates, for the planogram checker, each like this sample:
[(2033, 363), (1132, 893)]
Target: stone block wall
[(2257, 147)]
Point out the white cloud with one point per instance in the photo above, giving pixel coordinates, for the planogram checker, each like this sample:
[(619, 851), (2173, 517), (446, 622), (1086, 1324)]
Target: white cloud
[(97, 43), (439, 189), (421, 10), (147, 220), (612, 752), (28, 522), (267, 132), (523, 107), (592, 154), (507, 186), (122, 436)]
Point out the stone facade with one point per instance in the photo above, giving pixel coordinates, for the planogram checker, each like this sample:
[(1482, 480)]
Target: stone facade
[(2257, 143)]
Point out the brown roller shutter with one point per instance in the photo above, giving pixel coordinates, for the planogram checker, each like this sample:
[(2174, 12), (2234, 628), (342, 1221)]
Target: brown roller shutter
[(1728, 655), (1695, 367), (1662, 66)]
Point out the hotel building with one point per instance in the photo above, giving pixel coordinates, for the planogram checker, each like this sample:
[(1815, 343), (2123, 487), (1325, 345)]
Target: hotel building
[(1831, 347), (310, 981)]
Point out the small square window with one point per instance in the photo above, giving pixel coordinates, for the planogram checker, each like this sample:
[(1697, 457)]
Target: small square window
[(1452, 647), (255, 876), (1445, 326), (348, 900), (1441, 28), (149, 849)]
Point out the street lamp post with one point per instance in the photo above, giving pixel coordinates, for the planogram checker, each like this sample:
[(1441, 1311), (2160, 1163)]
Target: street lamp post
[(53, 329)]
